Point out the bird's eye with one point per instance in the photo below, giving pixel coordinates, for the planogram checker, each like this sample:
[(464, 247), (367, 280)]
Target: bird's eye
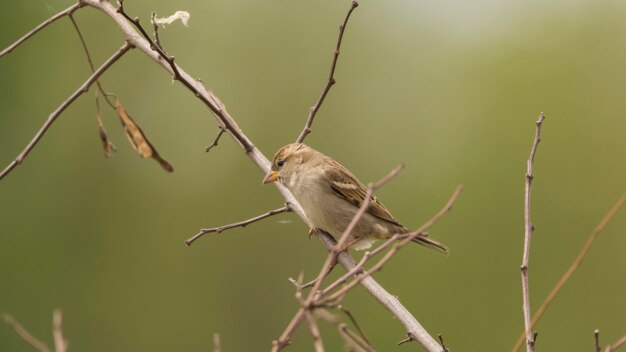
[(280, 163)]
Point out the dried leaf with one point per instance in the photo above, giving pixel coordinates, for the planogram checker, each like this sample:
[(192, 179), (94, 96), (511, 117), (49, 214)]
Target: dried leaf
[(138, 139), (107, 145)]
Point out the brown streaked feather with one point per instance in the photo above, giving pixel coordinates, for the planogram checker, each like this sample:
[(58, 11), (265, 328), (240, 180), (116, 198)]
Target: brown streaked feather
[(348, 187)]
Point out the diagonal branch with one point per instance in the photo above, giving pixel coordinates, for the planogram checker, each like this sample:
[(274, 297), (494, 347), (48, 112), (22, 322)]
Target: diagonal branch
[(244, 223), (331, 259), (528, 230), (25, 335), (56, 113), (570, 271), (331, 77), (67, 12), (615, 345), (378, 266), (389, 301)]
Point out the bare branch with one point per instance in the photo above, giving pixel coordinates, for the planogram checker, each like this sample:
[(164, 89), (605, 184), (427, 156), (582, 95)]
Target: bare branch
[(443, 344), (25, 335), (354, 341), (528, 230), (60, 344), (91, 65), (56, 113), (68, 11), (615, 345), (572, 268), (389, 301), (217, 344), (331, 77), (217, 139), (596, 338), (356, 324), (395, 248), (156, 30), (244, 223), (339, 247), (315, 332)]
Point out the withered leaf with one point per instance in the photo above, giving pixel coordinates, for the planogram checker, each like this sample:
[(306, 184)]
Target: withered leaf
[(107, 145), (138, 139)]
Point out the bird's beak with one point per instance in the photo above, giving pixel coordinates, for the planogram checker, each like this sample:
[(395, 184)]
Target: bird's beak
[(271, 176)]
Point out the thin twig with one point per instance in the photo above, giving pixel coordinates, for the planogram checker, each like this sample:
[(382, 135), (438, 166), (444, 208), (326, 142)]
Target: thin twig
[(615, 345), (395, 248), (60, 343), (389, 301), (528, 230), (244, 223), (217, 344), (331, 77), (318, 345), (443, 344), (572, 268), (66, 12), (285, 337), (156, 30), (25, 335), (217, 139), (91, 65), (56, 113), (353, 340), (596, 338), (356, 324)]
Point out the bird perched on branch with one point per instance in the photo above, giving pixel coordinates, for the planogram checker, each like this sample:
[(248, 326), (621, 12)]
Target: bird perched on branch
[(331, 196)]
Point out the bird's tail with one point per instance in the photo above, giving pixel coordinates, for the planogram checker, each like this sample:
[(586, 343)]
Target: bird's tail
[(426, 241)]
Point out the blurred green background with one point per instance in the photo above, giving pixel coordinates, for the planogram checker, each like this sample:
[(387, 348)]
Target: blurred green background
[(452, 89)]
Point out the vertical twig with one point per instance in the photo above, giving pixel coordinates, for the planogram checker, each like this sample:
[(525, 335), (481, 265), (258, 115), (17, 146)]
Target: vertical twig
[(217, 344), (331, 77), (60, 343), (572, 268), (56, 113), (528, 230), (596, 338)]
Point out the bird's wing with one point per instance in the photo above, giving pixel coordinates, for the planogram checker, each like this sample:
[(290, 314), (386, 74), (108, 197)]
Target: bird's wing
[(348, 187)]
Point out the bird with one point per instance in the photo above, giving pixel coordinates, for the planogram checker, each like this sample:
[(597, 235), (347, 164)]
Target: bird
[(331, 195)]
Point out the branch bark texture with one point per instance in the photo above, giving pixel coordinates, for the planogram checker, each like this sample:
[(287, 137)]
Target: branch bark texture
[(413, 327)]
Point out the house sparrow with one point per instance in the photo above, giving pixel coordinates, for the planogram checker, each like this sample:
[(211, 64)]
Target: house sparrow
[(330, 197)]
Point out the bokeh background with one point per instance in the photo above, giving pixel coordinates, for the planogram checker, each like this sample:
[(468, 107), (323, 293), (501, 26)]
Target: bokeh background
[(452, 89)]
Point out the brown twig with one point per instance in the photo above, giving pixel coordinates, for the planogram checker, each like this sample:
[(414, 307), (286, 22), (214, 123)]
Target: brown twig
[(318, 345), (572, 268), (217, 344), (244, 223), (356, 324), (156, 31), (24, 334), (339, 247), (395, 248), (596, 338), (91, 65), (331, 77), (60, 343), (56, 113), (217, 139), (443, 344), (354, 341), (528, 230), (615, 345), (66, 12), (389, 301)]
